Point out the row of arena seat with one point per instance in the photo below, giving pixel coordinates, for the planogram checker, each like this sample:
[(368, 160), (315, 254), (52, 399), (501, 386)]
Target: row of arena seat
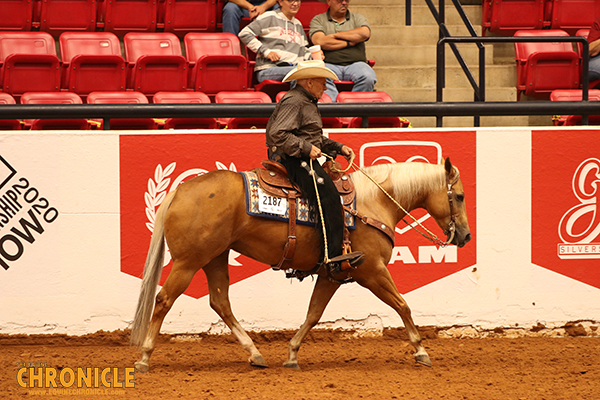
[(132, 97), (547, 66), (505, 17), (152, 62), (123, 16)]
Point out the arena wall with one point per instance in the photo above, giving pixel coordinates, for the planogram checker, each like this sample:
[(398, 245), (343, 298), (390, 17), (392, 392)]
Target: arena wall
[(77, 209)]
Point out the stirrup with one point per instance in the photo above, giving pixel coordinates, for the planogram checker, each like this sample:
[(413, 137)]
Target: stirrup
[(353, 259)]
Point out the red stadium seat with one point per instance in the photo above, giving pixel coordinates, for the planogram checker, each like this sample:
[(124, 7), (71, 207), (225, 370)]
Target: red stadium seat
[(28, 63), (309, 9), (509, 16), (328, 122), (216, 63), (546, 66), (374, 122), (574, 95), (156, 62), (219, 14), (16, 15), (486, 15), (92, 61), (8, 124), (54, 98), (123, 98), (571, 15), (184, 16), (242, 97), (187, 98), (123, 16), (59, 16)]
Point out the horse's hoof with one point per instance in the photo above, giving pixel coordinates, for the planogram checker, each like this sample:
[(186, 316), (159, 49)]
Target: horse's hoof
[(291, 365), (423, 359), (142, 367), (258, 361)]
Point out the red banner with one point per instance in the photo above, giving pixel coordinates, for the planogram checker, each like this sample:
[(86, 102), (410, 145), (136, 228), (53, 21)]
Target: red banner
[(153, 165), (565, 188)]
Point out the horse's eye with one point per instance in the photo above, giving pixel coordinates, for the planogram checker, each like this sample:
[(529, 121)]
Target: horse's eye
[(460, 197)]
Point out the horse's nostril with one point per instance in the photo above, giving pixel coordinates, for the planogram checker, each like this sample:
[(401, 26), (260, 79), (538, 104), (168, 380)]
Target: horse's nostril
[(468, 237)]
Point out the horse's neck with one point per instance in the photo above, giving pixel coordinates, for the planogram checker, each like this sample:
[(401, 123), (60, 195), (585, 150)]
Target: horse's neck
[(409, 185)]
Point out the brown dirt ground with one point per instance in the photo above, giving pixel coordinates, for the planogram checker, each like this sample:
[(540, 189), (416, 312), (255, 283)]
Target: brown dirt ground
[(335, 365)]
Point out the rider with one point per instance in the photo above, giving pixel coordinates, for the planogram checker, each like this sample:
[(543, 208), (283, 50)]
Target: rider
[(295, 137)]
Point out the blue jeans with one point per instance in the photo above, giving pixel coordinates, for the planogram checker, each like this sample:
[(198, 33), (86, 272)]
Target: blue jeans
[(360, 73), (233, 14), (276, 74), (594, 73)]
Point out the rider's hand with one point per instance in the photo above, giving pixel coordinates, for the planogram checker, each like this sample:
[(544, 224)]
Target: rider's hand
[(347, 152), (315, 152)]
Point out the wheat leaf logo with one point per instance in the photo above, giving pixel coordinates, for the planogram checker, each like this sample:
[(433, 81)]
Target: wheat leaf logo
[(157, 190)]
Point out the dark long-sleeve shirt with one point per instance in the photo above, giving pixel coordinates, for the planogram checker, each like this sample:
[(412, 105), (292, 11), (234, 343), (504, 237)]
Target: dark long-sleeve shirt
[(296, 125)]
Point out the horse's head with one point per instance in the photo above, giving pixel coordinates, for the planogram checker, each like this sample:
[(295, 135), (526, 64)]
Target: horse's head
[(447, 207)]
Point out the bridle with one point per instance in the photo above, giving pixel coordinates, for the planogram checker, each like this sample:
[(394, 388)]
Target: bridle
[(449, 232)]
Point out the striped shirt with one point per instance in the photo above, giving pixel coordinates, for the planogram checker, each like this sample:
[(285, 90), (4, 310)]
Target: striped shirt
[(273, 31)]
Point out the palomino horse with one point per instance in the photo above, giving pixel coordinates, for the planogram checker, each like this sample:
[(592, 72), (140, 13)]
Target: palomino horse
[(206, 217)]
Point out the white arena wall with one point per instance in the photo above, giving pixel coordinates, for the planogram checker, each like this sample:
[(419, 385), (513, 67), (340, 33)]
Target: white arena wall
[(76, 210)]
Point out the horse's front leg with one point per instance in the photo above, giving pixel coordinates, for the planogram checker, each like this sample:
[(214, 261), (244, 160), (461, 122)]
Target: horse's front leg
[(379, 281), (323, 292)]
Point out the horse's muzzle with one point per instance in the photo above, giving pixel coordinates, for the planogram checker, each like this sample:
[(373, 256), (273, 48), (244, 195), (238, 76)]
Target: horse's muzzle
[(465, 241)]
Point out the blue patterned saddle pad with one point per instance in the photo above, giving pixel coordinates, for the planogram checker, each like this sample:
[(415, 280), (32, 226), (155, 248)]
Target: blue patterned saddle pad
[(259, 205)]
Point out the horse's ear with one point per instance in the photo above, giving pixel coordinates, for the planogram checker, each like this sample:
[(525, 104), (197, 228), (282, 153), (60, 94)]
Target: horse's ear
[(448, 165)]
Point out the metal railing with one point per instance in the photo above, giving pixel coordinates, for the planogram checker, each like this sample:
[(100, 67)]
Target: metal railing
[(365, 110), (479, 88)]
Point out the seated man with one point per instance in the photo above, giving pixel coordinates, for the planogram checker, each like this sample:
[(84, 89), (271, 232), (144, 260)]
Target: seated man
[(594, 40), (235, 10), (342, 36), (278, 39), (294, 138)]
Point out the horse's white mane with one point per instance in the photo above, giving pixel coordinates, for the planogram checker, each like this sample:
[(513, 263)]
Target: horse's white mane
[(408, 180)]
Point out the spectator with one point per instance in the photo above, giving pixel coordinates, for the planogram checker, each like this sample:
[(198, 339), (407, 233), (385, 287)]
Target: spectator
[(594, 39), (342, 36), (278, 39), (235, 10)]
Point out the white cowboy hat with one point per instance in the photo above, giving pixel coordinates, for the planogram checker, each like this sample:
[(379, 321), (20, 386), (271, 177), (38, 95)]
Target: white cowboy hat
[(310, 69)]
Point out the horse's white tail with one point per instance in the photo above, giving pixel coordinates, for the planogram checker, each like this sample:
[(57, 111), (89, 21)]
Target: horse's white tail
[(152, 273)]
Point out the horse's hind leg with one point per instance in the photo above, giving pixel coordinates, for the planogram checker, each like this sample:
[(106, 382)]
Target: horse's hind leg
[(217, 275), (322, 293), (178, 280), (380, 282)]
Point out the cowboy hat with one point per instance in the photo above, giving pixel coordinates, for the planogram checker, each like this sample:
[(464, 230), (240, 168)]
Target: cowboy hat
[(310, 69)]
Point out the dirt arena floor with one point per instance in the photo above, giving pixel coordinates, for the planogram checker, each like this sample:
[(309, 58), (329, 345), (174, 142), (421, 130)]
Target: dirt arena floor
[(335, 365)]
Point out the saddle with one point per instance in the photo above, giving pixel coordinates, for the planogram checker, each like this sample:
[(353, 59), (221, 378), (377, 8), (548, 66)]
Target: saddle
[(274, 180)]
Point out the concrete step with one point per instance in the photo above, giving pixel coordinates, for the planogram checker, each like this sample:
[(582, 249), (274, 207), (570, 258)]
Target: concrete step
[(424, 55), (460, 122), (416, 95), (425, 76), (395, 14), (384, 35)]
